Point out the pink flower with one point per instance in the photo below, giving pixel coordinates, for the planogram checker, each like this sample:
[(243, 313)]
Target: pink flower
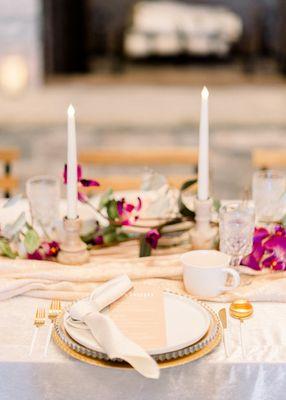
[(152, 237), (126, 211)]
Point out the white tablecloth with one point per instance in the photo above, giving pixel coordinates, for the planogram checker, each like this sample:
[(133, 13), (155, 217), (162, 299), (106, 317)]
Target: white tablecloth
[(259, 377)]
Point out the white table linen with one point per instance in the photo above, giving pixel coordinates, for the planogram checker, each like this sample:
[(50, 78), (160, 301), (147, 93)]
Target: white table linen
[(261, 376)]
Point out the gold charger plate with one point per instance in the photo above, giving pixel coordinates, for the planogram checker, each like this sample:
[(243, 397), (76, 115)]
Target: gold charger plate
[(162, 364)]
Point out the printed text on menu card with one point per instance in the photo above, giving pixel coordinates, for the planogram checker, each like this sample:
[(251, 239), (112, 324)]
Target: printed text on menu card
[(140, 316)]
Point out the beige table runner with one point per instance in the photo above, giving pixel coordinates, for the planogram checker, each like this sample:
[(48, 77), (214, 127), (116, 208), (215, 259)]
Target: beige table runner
[(46, 279)]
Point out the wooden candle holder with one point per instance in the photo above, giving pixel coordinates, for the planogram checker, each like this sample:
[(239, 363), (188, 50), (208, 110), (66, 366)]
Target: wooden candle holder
[(73, 251)]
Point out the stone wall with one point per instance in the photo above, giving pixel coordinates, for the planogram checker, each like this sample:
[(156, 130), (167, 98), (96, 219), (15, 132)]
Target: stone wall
[(20, 34)]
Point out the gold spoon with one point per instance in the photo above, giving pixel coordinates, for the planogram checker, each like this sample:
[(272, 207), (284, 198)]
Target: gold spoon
[(241, 309)]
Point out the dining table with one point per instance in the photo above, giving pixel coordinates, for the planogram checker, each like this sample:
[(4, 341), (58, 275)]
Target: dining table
[(258, 374)]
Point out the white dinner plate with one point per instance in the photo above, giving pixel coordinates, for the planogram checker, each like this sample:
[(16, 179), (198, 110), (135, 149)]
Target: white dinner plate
[(186, 323)]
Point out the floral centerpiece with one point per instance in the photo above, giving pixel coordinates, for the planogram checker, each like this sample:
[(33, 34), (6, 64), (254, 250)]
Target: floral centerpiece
[(112, 218)]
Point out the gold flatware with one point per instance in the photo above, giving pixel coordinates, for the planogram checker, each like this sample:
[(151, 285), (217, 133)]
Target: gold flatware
[(241, 309), (39, 321), (54, 310), (223, 320)]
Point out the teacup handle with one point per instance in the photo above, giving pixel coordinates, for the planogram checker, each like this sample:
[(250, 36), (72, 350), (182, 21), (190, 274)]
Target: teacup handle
[(236, 279)]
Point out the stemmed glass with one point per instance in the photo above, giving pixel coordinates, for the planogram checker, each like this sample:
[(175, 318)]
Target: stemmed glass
[(236, 229), (268, 188), (43, 193)]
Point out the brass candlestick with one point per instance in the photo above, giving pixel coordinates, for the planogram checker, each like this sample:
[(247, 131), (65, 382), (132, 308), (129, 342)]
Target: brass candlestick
[(203, 235), (73, 251)]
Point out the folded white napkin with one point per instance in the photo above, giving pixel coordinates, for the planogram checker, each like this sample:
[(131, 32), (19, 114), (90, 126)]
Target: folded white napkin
[(105, 331)]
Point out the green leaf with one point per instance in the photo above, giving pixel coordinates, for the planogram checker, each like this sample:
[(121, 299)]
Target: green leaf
[(216, 204), (31, 241), (187, 184), (109, 229), (184, 210), (6, 249), (111, 208), (105, 198), (88, 238), (145, 248), (284, 221), (122, 236), (109, 238)]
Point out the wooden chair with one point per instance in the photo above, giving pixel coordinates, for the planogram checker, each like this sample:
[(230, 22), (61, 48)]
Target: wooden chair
[(8, 183), (145, 158), (269, 158)]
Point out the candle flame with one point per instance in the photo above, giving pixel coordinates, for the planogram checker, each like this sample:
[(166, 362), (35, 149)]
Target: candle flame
[(205, 93), (71, 110)]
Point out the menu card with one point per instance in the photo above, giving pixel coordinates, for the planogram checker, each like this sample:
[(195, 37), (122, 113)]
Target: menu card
[(140, 315)]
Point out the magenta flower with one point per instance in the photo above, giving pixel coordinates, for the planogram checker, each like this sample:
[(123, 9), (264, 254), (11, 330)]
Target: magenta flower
[(120, 208), (98, 240), (274, 263), (50, 249), (276, 244), (280, 230), (82, 197), (254, 258), (46, 250), (152, 237), (139, 204), (260, 234), (88, 182), (269, 250), (65, 173), (35, 256), (82, 182), (126, 211)]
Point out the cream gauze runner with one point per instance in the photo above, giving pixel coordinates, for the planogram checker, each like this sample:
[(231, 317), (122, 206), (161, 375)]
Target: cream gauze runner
[(47, 279)]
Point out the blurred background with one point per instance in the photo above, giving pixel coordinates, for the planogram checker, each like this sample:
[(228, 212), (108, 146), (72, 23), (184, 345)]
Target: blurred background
[(134, 71)]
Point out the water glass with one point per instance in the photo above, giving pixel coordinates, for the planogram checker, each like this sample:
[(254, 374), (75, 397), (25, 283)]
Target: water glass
[(268, 188), (43, 193), (236, 229)]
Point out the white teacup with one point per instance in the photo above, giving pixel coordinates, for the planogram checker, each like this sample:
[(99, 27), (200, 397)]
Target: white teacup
[(206, 272)]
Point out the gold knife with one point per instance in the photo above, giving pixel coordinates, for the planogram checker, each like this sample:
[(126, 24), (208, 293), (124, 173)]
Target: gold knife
[(223, 320)]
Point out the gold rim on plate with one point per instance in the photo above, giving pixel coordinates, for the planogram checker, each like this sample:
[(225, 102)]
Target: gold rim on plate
[(162, 364)]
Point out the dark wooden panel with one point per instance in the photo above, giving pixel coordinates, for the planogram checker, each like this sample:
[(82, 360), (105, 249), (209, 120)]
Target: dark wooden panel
[(64, 36)]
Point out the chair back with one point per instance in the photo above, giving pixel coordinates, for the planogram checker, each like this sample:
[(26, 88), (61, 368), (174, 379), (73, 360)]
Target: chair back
[(8, 182), (268, 158), (140, 157)]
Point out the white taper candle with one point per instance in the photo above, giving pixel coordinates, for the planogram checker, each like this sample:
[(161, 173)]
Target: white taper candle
[(203, 168), (71, 166)]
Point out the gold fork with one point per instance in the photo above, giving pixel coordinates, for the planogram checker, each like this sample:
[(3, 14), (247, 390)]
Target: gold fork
[(54, 310), (39, 321)]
